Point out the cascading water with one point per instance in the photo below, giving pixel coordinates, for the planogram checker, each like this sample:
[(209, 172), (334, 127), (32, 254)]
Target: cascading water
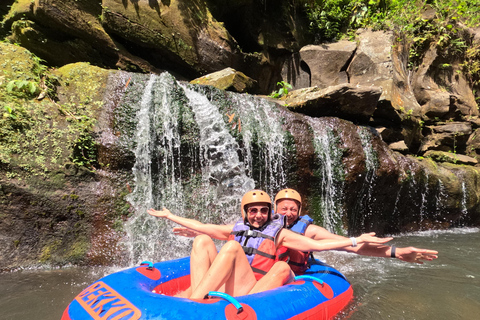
[(463, 208), (157, 133), (331, 174), (261, 124), (189, 161), (362, 208), (218, 154)]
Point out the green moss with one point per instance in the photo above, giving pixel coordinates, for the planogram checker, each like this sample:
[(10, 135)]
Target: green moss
[(78, 250), (38, 137), (83, 85), (48, 250)]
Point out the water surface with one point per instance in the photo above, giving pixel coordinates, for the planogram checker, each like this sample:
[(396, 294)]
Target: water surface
[(448, 288)]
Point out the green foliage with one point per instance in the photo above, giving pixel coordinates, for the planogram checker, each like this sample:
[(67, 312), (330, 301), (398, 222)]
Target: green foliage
[(332, 19), (28, 88), (85, 151), (283, 91)]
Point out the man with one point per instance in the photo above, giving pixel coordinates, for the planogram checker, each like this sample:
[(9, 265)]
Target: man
[(239, 266), (288, 203)]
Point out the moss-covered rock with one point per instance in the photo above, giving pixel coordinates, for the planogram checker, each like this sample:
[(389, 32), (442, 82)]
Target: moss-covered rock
[(49, 195)]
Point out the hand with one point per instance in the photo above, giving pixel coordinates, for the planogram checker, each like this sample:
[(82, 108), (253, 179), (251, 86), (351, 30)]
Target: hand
[(185, 232), (415, 255), (164, 213), (370, 238)]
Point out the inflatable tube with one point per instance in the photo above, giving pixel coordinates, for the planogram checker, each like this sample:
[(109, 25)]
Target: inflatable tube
[(146, 292)]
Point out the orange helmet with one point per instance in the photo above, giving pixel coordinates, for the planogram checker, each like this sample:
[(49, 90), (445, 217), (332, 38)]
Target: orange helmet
[(288, 194), (254, 196)]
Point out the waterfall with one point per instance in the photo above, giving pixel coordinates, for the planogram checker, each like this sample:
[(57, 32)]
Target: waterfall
[(157, 140), (198, 149), (191, 159), (218, 154), (331, 175), (263, 138), (363, 205)]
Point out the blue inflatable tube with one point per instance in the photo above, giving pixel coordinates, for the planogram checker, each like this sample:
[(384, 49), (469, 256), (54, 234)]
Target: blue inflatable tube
[(146, 292)]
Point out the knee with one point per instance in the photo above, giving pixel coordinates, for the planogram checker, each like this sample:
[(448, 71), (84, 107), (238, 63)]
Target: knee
[(231, 247), (202, 242), (283, 270)]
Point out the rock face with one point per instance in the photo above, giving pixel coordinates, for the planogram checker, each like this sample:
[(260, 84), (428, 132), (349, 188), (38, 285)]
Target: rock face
[(432, 111), (327, 62), (53, 209), (188, 38)]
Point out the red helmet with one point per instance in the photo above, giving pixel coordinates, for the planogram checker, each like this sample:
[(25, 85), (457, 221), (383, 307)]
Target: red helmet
[(255, 196), (289, 194)]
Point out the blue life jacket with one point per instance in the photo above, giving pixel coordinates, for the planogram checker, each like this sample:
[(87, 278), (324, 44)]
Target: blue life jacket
[(297, 260)]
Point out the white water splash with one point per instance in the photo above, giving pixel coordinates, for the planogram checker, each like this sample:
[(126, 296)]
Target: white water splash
[(260, 121), (219, 157), (363, 205)]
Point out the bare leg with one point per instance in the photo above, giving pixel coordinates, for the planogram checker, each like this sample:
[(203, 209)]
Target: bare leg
[(201, 258), (231, 268), (278, 275)]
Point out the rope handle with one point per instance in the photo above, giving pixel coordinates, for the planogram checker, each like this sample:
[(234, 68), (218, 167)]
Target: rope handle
[(148, 263), (227, 297)]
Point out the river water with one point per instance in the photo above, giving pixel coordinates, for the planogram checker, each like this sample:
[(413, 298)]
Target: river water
[(448, 288)]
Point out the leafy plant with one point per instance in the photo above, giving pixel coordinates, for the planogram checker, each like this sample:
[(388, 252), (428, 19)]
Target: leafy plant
[(283, 91), (85, 151), (23, 86)]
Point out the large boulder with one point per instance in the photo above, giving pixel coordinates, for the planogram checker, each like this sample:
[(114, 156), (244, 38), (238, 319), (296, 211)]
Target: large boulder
[(187, 38), (345, 101), (327, 63), (372, 63)]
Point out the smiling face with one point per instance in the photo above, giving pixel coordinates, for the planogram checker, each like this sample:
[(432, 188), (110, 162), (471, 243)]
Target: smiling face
[(288, 208), (257, 214)]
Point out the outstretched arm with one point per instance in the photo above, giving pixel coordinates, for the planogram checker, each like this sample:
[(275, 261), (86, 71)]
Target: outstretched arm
[(408, 254), (412, 254), (295, 241), (213, 230)]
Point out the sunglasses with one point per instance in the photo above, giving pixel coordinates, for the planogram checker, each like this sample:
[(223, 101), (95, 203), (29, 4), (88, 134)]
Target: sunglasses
[(254, 210)]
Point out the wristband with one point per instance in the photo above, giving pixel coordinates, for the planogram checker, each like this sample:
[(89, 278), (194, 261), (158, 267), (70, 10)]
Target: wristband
[(392, 251), (354, 241)]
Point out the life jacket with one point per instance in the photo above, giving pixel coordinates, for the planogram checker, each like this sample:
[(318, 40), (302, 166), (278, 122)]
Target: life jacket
[(297, 260), (259, 244)]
